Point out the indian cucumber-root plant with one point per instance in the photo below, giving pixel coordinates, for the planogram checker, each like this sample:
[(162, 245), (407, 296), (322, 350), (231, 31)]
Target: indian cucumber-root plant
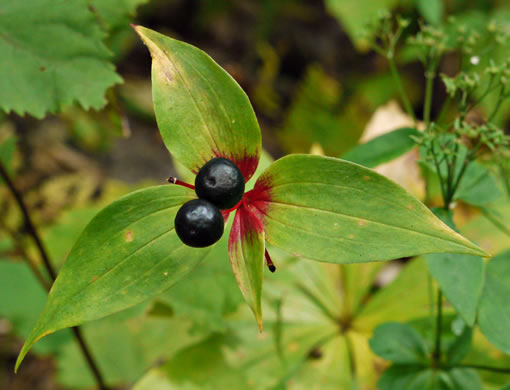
[(314, 208)]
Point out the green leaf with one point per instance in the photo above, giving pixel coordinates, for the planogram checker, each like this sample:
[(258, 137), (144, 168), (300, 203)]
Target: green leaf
[(410, 378), (355, 16), (382, 149), (181, 373), (114, 13), (398, 343), (478, 187), (461, 278), (494, 311), (128, 253), (201, 111), (26, 298), (52, 56), (302, 340), (465, 379), (125, 345), (431, 10), (461, 346), (420, 378), (246, 253), (332, 210), (208, 293), (394, 302)]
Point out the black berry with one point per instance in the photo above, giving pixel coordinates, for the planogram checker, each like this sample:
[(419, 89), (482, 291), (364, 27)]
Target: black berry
[(220, 182), (199, 223)]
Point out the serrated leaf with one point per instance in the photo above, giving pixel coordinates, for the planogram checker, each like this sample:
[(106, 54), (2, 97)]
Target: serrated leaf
[(246, 253), (115, 13), (331, 210), (494, 311), (201, 111), (129, 252), (52, 55), (382, 149), (399, 343)]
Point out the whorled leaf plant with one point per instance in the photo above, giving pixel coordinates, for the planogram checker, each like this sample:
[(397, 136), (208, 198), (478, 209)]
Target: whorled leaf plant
[(321, 208)]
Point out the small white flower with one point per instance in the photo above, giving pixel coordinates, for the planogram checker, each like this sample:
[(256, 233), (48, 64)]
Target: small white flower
[(475, 60)]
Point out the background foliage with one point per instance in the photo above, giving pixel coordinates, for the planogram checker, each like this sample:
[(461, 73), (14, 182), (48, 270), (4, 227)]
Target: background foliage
[(77, 131)]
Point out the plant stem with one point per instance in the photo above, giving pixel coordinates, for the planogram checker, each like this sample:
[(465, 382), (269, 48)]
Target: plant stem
[(498, 104), (430, 75), (439, 325), (32, 231), (444, 109), (398, 81)]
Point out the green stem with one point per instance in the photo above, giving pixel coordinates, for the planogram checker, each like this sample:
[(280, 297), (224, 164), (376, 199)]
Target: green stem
[(444, 109), (498, 104), (506, 180), (437, 164), (398, 81), (430, 75), (32, 231), (439, 325)]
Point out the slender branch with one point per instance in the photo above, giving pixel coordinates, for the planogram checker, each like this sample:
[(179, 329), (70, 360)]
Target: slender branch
[(498, 104), (32, 231), (439, 325), (430, 75), (438, 168), (28, 222), (398, 81)]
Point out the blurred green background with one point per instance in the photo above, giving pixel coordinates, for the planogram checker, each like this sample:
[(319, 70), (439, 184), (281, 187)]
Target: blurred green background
[(316, 87)]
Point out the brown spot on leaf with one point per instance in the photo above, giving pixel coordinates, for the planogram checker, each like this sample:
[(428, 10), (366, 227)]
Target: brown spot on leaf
[(293, 347), (362, 223), (129, 236), (366, 178), (42, 68), (410, 207)]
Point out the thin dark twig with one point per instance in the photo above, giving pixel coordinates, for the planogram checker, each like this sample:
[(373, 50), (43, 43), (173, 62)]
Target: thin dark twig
[(32, 231)]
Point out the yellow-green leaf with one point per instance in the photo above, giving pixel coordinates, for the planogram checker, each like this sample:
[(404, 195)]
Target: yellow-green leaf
[(331, 210), (128, 253)]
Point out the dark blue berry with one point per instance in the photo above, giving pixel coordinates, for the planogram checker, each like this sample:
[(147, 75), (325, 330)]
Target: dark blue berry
[(199, 223), (221, 182)]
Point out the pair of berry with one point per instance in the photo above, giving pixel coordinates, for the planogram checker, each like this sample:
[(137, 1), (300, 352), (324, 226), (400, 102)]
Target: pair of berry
[(219, 185)]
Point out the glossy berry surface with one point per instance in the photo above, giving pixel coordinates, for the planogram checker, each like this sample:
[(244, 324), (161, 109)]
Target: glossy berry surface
[(221, 182), (199, 223)]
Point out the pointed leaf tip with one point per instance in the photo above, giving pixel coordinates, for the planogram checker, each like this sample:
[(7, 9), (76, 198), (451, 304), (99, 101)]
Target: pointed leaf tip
[(331, 210), (201, 111), (246, 252)]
